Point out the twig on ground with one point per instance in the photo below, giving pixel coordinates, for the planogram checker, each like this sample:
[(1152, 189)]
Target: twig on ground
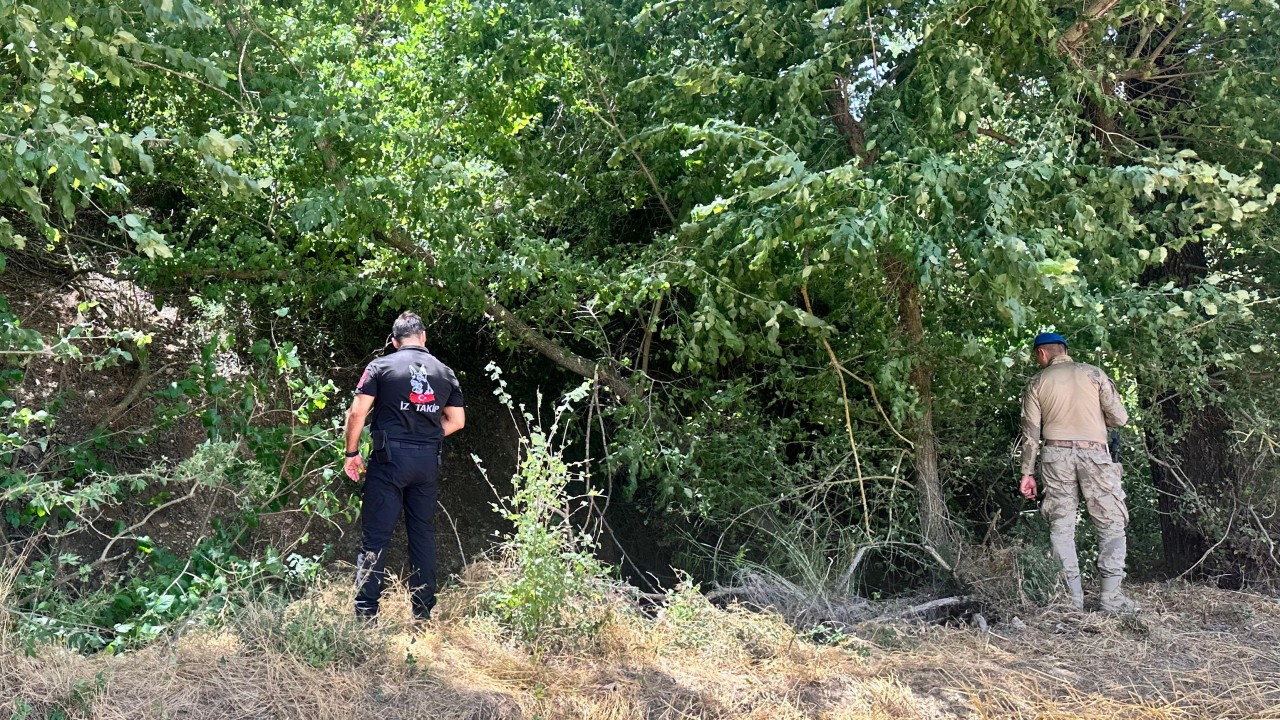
[(128, 532), (933, 606)]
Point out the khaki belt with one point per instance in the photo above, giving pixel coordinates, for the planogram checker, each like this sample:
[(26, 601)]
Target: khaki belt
[(1082, 444)]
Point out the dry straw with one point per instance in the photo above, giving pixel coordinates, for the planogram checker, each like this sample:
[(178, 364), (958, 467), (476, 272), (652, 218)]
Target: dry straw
[(1193, 653)]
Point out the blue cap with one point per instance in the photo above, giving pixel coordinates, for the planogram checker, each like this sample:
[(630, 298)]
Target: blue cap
[(1049, 339)]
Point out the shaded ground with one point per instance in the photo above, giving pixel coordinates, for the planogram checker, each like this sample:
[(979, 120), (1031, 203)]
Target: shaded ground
[(1192, 653)]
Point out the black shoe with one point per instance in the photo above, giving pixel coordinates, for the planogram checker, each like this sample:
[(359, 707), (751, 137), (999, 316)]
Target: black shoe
[(422, 613)]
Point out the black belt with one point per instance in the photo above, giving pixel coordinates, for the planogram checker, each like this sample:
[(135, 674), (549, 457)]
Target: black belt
[(407, 445)]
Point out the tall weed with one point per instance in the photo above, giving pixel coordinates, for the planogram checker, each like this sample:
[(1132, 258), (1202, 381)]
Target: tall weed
[(551, 579)]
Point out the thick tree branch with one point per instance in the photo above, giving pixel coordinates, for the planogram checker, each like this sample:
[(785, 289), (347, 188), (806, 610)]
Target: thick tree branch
[(136, 389), (532, 337), (330, 160), (1106, 128), (987, 132), (994, 135), (522, 330), (648, 335), (406, 247), (1164, 44), (1069, 43), (852, 130)]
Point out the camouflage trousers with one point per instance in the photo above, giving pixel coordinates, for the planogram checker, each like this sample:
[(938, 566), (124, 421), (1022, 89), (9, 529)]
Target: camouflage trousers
[(1068, 473)]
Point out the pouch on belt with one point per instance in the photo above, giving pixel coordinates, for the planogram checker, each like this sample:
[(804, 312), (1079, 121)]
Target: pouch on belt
[(1113, 444), (381, 448)]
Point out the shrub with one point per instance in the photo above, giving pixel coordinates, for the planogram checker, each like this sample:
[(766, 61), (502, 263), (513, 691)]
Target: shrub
[(61, 499), (552, 577)]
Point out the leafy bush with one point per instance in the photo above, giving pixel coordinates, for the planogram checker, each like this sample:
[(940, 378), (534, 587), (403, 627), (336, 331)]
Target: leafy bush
[(62, 498), (166, 595), (554, 578), (688, 616)]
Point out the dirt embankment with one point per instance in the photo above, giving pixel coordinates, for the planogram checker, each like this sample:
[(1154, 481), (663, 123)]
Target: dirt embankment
[(122, 403)]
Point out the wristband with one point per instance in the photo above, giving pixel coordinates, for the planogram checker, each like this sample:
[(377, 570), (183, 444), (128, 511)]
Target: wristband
[(355, 453)]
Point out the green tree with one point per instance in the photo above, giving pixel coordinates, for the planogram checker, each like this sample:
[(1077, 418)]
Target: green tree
[(788, 237)]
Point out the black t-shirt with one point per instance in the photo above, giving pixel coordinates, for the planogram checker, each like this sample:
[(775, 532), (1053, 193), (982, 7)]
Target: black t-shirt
[(409, 389)]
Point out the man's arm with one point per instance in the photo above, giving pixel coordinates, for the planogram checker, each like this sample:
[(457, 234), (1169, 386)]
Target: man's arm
[(1030, 430), (1113, 411), (360, 407), (455, 418), (1030, 441)]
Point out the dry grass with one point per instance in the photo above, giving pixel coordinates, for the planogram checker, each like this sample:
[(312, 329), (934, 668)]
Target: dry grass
[(1193, 653)]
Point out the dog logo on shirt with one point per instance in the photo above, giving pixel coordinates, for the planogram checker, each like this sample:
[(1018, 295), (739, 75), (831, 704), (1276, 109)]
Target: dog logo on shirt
[(421, 392)]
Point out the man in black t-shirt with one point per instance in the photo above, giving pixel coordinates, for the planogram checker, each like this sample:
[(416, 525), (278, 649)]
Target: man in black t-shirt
[(416, 402)]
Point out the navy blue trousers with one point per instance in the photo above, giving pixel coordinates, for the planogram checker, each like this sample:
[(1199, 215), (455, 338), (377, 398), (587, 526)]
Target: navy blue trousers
[(405, 478)]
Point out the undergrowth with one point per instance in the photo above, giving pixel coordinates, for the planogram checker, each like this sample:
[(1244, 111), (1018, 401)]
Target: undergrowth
[(86, 569), (314, 630), (550, 585)]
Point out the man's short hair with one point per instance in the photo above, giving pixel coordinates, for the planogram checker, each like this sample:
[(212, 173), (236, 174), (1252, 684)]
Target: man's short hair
[(406, 325)]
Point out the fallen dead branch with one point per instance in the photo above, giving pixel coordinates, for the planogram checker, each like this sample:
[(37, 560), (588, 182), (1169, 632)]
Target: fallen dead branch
[(929, 611)]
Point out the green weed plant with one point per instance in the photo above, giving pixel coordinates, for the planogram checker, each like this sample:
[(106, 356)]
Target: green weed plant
[(552, 578)]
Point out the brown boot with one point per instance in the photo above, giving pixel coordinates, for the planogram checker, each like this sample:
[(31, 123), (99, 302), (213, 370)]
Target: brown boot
[(1114, 601), (1075, 592)]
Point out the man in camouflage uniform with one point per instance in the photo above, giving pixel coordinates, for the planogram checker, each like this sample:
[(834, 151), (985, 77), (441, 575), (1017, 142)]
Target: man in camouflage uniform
[(1067, 409)]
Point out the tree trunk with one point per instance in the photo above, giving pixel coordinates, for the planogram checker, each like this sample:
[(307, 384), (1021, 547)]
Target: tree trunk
[(1191, 456), (935, 521), (1178, 473)]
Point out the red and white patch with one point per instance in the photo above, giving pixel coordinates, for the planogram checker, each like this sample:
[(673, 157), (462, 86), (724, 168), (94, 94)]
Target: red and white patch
[(420, 392)]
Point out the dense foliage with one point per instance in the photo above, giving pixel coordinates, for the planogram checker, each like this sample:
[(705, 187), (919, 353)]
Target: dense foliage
[(801, 245)]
